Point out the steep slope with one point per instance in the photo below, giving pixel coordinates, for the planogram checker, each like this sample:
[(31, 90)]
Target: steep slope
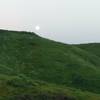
[(34, 64)]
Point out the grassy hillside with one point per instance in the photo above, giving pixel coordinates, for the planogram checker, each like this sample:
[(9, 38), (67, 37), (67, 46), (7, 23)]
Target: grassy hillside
[(34, 68)]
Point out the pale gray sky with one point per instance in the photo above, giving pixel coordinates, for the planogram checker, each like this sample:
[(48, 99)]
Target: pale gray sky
[(69, 21)]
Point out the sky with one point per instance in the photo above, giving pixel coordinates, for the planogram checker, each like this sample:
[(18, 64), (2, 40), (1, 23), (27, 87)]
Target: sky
[(68, 21)]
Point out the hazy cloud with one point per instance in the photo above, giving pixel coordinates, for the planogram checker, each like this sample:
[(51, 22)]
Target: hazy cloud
[(70, 21)]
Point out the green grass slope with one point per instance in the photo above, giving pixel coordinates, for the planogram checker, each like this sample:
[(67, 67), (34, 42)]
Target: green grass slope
[(34, 68)]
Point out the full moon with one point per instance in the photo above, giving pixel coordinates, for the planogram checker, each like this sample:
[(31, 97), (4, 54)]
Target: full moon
[(37, 28)]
